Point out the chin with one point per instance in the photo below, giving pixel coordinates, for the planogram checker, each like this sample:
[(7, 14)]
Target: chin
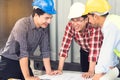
[(77, 30), (44, 26)]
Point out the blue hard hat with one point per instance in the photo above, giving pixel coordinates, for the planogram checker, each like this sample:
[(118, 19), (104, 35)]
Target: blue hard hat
[(46, 5)]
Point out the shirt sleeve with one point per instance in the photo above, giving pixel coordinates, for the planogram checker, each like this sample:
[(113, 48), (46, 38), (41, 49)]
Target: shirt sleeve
[(66, 42), (95, 43), (45, 44), (20, 35)]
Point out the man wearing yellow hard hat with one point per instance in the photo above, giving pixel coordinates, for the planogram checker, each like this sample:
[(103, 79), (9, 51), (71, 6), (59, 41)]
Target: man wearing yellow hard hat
[(98, 14)]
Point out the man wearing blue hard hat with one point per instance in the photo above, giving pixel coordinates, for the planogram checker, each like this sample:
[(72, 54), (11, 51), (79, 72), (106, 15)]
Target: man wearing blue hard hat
[(27, 34)]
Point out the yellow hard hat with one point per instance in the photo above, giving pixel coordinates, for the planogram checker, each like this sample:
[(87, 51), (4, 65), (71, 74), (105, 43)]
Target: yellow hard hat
[(99, 6)]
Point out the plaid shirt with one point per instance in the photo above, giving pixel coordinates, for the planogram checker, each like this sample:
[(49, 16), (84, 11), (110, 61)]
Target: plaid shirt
[(90, 40)]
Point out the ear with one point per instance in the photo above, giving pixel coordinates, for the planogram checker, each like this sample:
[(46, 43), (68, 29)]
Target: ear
[(86, 20), (36, 14)]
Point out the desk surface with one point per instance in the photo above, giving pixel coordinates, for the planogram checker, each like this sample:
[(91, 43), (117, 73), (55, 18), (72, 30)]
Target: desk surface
[(67, 75)]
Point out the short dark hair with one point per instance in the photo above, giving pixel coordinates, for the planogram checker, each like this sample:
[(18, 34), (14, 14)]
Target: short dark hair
[(84, 16), (37, 11)]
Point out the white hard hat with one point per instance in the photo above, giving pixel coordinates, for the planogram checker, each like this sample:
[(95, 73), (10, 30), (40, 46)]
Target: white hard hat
[(76, 10)]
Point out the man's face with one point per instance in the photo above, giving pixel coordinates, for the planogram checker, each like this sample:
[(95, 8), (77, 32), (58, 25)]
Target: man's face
[(93, 20), (43, 20), (79, 23)]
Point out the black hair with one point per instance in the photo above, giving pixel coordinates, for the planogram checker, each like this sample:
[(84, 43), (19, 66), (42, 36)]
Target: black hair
[(37, 11), (84, 16)]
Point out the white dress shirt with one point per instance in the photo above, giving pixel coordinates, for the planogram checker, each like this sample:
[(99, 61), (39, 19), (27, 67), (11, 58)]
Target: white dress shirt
[(111, 33)]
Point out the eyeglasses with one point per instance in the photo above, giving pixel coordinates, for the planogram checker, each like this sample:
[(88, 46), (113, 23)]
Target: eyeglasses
[(77, 19)]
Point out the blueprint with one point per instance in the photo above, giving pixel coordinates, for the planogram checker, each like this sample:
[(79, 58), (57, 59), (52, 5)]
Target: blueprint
[(64, 76)]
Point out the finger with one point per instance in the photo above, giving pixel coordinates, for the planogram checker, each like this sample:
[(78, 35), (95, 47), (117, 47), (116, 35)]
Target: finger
[(36, 78), (86, 76)]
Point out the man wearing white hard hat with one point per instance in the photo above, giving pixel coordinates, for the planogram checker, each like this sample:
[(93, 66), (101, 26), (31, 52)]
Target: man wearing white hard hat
[(88, 37), (26, 35), (98, 14)]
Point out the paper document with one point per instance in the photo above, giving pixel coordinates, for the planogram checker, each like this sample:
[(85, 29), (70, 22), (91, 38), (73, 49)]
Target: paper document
[(64, 76)]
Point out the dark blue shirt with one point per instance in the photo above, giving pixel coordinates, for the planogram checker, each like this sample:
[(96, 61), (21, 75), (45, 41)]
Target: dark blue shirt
[(25, 38)]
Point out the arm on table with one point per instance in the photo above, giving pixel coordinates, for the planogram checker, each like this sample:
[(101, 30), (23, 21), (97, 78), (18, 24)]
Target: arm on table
[(25, 69), (91, 70), (61, 65), (47, 65)]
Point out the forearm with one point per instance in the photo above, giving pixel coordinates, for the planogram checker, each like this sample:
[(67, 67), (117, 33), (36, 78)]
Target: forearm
[(24, 67), (47, 65), (92, 65), (61, 63)]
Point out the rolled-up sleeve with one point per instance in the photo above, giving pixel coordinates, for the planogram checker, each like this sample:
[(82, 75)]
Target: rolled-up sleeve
[(45, 44)]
